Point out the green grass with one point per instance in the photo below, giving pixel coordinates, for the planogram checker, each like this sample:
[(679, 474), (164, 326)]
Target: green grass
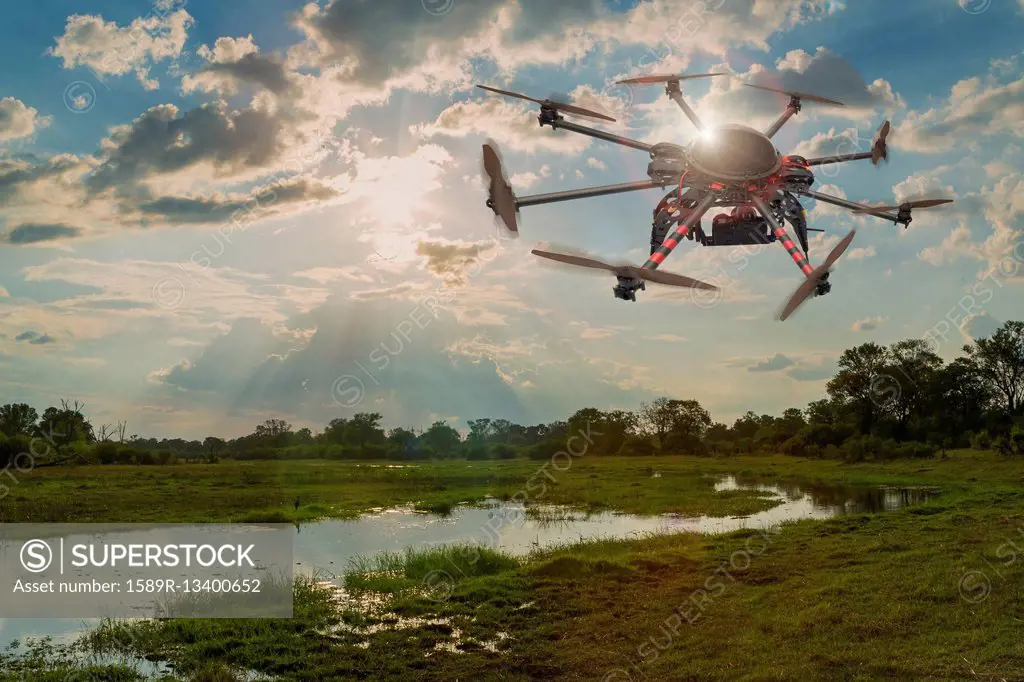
[(282, 492), (859, 597)]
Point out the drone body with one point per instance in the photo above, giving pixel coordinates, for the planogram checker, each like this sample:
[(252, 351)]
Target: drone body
[(729, 166)]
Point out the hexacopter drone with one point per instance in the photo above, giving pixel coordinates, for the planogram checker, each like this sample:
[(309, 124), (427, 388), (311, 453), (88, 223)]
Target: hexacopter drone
[(731, 165)]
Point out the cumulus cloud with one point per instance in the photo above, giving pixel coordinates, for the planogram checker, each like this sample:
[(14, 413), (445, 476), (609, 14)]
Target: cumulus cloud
[(17, 119), (232, 62), (976, 108), (512, 125), (451, 259), (112, 50), (868, 324)]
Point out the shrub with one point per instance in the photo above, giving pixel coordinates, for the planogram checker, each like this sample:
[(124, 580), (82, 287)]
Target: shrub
[(637, 445), (10, 448), (502, 451), (545, 449), (477, 451), (105, 452)]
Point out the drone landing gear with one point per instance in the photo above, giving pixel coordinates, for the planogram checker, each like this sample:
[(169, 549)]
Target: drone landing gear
[(627, 288)]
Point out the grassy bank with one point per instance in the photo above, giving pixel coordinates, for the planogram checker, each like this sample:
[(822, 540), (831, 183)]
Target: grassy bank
[(930, 592), (309, 489)]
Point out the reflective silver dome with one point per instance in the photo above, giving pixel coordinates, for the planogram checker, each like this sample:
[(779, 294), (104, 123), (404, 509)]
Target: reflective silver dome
[(734, 152)]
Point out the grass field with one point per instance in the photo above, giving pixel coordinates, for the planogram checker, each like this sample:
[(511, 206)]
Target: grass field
[(929, 592)]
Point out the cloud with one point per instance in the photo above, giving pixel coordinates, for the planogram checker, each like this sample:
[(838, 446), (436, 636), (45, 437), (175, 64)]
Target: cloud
[(112, 50), (868, 324), (33, 233), (862, 253), (979, 326), (19, 120), (977, 108), (450, 260), (667, 338), (34, 338), (513, 126), (236, 61), (597, 163), (165, 140), (772, 364)]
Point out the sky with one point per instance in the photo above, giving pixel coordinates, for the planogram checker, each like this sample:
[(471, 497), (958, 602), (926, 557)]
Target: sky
[(212, 214)]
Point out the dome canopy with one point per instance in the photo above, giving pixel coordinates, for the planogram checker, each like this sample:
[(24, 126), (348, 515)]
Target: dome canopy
[(734, 152)]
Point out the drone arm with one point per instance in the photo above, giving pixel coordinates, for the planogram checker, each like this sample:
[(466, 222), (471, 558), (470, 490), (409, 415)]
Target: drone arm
[(851, 205), (676, 94), (838, 158), (781, 234), (791, 110), (558, 122), (584, 193)]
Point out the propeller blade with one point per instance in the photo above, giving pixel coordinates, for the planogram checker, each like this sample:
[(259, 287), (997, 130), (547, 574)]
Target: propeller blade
[(499, 194), (671, 279), (921, 203), (656, 276), (509, 93), (665, 78), (839, 249), (580, 261), (807, 287), (571, 109), (798, 95), (880, 148)]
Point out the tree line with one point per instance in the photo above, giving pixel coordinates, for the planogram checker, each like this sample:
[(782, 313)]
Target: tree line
[(894, 401)]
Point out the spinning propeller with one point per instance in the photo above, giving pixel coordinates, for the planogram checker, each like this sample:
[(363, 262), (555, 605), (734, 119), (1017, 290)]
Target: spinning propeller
[(631, 271), (500, 198), (809, 285), (570, 109)]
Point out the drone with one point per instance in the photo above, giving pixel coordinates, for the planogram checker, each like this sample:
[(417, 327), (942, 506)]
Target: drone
[(725, 166)]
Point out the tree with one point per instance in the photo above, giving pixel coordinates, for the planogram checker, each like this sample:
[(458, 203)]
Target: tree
[(441, 439), (213, 445), (303, 436), (18, 419), (657, 418), (335, 431), (999, 360), (273, 433), (685, 420), (911, 371), (66, 424), (479, 430), (861, 383), (364, 429)]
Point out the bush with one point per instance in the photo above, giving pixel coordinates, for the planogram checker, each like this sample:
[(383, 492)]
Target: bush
[(105, 452), (545, 449), (10, 448), (981, 440), (477, 451), (502, 451), (1017, 440), (795, 446), (637, 445)]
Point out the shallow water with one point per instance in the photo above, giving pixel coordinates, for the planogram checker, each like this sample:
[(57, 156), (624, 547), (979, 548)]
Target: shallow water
[(328, 546)]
